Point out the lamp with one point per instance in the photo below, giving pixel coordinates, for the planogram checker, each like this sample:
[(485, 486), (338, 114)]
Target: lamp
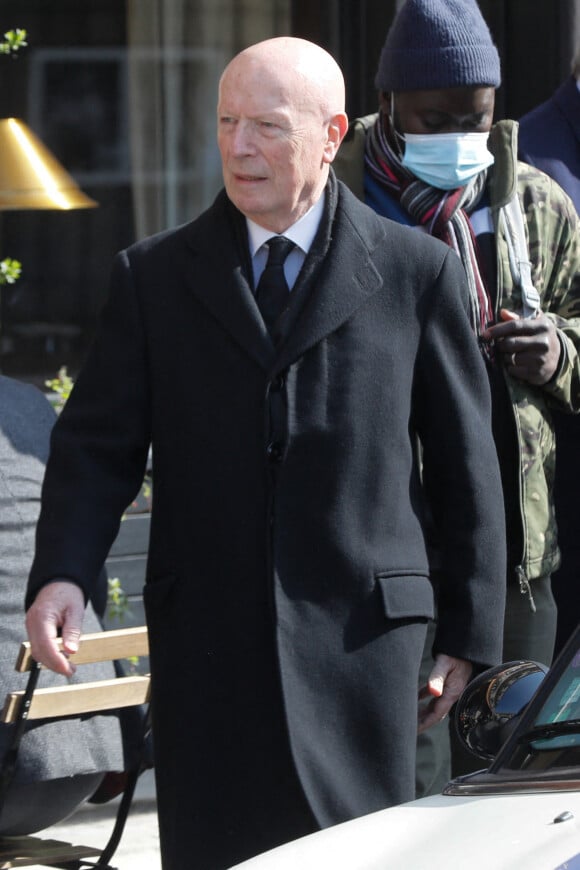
[(30, 176)]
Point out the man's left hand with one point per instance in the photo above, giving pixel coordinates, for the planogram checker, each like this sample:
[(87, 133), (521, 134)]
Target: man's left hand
[(529, 347), (446, 682)]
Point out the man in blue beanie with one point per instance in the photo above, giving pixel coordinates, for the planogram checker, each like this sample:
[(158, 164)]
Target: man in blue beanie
[(433, 159)]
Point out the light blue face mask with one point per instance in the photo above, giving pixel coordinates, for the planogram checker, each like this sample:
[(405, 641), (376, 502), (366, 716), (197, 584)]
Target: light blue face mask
[(446, 160)]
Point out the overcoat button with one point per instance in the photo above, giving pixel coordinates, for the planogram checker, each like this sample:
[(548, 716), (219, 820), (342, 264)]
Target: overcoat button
[(278, 383), (275, 451)]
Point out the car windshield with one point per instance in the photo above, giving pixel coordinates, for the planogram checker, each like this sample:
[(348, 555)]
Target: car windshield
[(548, 737)]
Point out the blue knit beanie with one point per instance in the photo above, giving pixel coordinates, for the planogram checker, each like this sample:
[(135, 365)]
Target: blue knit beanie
[(434, 44)]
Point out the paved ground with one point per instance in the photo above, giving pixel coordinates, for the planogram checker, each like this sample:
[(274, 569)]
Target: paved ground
[(91, 826)]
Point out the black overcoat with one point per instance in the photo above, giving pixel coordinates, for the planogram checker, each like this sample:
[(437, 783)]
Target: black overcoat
[(288, 581)]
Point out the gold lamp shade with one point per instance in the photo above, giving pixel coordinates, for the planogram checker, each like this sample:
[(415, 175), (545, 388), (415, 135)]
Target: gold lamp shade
[(30, 176)]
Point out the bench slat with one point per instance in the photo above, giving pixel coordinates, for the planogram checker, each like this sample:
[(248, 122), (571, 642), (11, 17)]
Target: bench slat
[(116, 644), (74, 700)]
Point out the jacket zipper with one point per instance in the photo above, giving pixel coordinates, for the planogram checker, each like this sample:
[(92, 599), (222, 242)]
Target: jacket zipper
[(521, 576), (525, 587)]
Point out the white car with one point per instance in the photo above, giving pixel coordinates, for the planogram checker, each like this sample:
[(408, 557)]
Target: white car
[(521, 813)]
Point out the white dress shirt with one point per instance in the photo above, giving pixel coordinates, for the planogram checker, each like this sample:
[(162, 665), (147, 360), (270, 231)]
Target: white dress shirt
[(302, 233)]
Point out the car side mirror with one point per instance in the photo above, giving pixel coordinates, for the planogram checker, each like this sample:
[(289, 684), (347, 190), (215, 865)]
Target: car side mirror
[(492, 703)]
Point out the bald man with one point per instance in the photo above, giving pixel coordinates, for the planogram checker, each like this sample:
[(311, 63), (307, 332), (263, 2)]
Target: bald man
[(288, 588)]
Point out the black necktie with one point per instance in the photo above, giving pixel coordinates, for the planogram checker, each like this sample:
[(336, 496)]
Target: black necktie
[(272, 290)]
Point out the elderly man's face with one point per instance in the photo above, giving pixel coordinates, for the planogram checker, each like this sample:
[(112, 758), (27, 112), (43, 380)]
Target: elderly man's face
[(274, 143), (450, 110)]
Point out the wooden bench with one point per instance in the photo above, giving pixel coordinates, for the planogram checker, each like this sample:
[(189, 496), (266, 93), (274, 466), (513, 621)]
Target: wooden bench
[(73, 700)]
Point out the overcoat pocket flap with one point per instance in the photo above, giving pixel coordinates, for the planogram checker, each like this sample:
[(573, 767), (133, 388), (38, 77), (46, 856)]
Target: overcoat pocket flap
[(407, 596)]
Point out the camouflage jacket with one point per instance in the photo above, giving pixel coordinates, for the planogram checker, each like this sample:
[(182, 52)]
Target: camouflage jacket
[(553, 236)]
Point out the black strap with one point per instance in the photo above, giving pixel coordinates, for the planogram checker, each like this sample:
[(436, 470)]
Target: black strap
[(11, 757)]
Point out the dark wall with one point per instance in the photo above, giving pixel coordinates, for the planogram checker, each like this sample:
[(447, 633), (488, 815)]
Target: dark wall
[(535, 39), (353, 31)]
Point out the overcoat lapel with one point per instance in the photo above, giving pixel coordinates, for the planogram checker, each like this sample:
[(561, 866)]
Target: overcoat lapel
[(346, 280), (216, 277)]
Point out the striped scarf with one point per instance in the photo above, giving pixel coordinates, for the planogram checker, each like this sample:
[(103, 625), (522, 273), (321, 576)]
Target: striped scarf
[(444, 214)]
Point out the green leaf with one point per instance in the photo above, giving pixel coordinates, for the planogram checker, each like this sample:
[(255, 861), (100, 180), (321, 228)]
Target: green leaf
[(10, 271), (13, 41), (62, 386)]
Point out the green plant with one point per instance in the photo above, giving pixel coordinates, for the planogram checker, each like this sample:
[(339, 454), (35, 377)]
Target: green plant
[(9, 271), (61, 386), (117, 601), (13, 41)]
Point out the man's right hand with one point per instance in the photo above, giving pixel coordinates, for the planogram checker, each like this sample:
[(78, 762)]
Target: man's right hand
[(57, 610)]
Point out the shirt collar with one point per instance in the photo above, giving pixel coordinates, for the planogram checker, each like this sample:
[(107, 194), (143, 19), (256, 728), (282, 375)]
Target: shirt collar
[(302, 233)]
